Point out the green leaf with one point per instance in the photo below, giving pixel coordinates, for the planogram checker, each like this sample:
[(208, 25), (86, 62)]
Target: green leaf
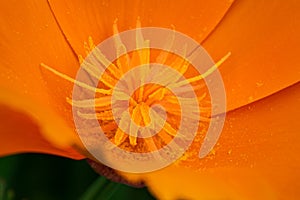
[(108, 191), (92, 191), (46, 177), (2, 189), (5, 194)]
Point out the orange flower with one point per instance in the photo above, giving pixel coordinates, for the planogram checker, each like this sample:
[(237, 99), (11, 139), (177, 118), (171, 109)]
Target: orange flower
[(257, 153)]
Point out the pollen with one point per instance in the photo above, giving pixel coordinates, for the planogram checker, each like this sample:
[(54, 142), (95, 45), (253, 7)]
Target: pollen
[(146, 96)]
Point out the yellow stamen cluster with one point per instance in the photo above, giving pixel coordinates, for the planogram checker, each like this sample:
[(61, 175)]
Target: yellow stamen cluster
[(143, 98)]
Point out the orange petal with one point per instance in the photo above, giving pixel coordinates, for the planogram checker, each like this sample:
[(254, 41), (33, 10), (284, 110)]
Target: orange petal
[(263, 37), (19, 133), (80, 19), (222, 183), (29, 36), (257, 156)]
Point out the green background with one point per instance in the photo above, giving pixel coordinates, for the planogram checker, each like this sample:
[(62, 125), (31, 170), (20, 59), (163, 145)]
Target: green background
[(46, 177)]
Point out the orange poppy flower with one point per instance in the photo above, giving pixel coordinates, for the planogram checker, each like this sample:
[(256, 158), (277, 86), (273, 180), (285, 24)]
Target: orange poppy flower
[(257, 153)]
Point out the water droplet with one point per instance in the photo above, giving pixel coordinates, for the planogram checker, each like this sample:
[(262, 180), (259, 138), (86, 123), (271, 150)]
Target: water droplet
[(259, 84), (229, 152), (250, 98)]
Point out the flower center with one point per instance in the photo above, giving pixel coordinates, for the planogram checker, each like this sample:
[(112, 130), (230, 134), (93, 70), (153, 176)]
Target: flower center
[(143, 99)]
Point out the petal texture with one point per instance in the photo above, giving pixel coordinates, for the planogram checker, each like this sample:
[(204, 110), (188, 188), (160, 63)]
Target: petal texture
[(263, 37), (257, 156), (19, 133), (30, 36), (80, 19)]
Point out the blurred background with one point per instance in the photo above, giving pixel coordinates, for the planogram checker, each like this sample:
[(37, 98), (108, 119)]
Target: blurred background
[(46, 177)]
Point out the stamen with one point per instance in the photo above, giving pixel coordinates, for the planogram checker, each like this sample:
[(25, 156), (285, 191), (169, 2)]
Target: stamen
[(119, 137), (210, 70), (181, 64), (162, 123), (107, 64), (178, 62), (145, 110), (202, 76), (143, 52), (91, 69), (86, 48), (139, 35), (165, 137), (91, 43), (136, 117), (104, 115), (174, 99), (80, 59), (108, 80), (162, 57), (104, 101), (123, 58), (157, 95), (83, 85), (169, 129), (193, 116), (151, 144)]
